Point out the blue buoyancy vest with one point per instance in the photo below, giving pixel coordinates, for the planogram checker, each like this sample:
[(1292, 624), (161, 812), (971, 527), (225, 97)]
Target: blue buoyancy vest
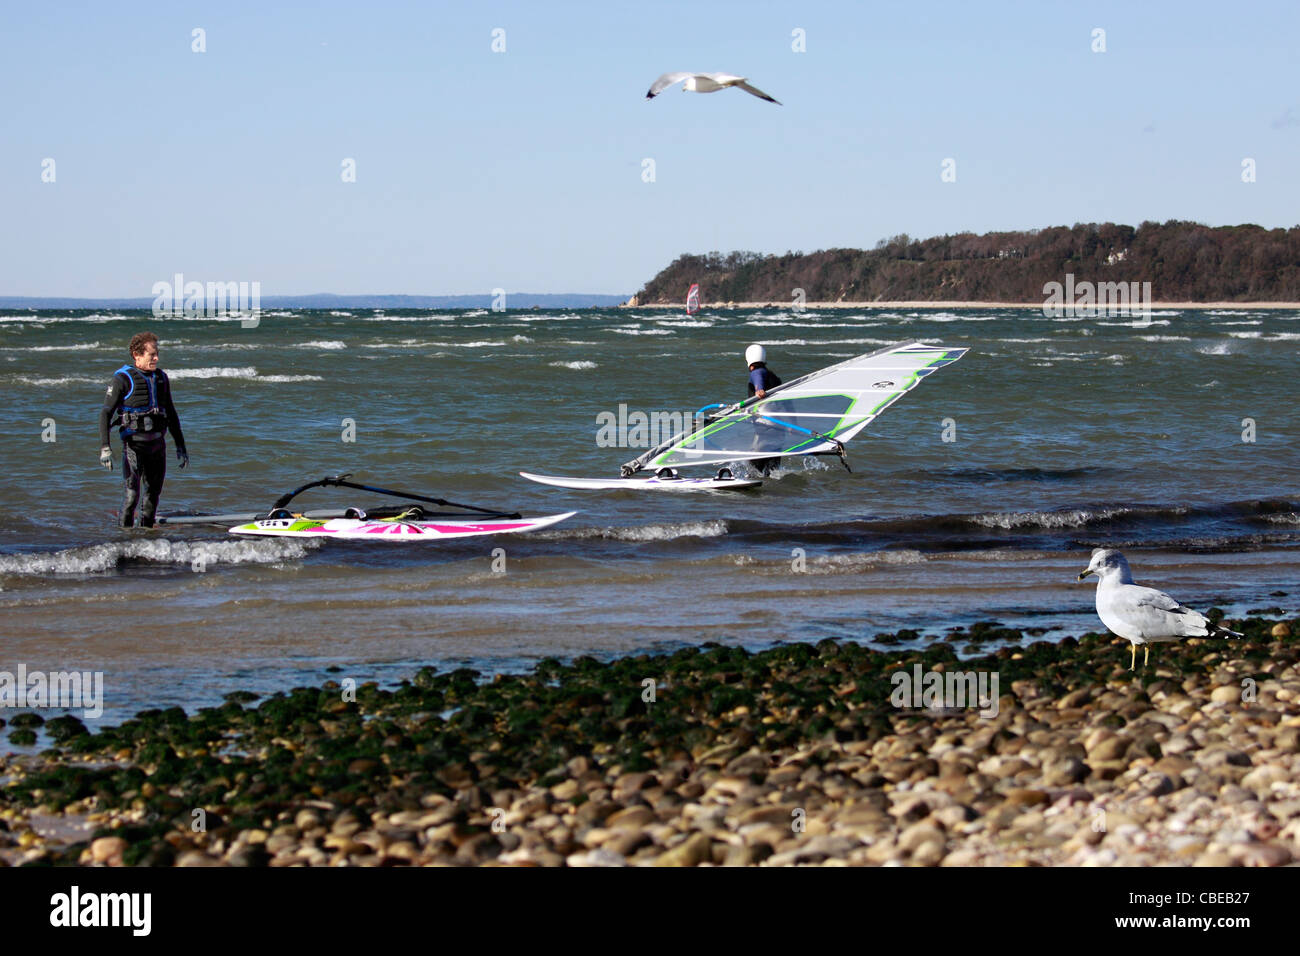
[(143, 408)]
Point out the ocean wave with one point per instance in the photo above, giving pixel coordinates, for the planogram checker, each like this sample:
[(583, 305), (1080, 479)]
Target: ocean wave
[(77, 347), (98, 558), (1164, 338), (218, 371), (413, 344), (1246, 335), (62, 380), (1218, 348), (1134, 320), (341, 313), (644, 331), (573, 365), (685, 323), (402, 344), (842, 563), (247, 372), (520, 338), (791, 342), (648, 532), (381, 317), (1070, 518), (328, 344)]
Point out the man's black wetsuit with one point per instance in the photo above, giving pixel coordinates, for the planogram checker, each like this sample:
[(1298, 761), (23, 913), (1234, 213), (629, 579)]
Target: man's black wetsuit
[(761, 377), (141, 403)]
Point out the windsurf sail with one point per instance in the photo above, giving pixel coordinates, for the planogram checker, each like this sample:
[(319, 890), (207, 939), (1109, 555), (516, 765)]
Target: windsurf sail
[(281, 510), (693, 299), (812, 415)]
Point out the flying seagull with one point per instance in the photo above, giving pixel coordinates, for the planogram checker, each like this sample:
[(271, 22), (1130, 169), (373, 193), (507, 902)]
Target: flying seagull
[(1142, 615), (705, 83)]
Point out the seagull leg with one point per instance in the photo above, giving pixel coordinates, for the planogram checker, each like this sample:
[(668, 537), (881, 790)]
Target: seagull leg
[(1146, 657), (1133, 657)]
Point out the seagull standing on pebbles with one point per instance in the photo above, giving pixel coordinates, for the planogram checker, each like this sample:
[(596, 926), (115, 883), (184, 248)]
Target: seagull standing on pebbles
[(1142, 615), (705, 83)]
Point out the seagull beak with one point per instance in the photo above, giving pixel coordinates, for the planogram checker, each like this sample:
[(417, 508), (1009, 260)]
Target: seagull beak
[(1084, 574)]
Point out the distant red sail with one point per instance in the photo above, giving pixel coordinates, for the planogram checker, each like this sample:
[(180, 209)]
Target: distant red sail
[(693, 300)]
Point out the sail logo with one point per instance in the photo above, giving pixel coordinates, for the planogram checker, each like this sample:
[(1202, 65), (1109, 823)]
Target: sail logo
[(945, 690), (1088, 300), (66, 690), (638, 429), (194, 300)]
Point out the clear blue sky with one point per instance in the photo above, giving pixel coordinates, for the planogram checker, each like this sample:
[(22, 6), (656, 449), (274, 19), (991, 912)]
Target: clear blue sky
[(522, 169)]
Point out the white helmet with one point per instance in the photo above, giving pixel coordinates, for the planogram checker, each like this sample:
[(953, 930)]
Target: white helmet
[(755, 353)]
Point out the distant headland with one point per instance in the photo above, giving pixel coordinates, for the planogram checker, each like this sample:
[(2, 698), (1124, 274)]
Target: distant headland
[(1186, 263)]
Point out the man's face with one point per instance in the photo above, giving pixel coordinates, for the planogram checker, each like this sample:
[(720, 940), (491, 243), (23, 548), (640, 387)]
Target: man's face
[(147, 360)]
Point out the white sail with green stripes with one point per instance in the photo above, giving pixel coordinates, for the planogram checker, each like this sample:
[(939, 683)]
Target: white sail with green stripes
[(812, 415)]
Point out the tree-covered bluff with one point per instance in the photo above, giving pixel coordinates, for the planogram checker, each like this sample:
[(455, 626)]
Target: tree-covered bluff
[(1183, 261)]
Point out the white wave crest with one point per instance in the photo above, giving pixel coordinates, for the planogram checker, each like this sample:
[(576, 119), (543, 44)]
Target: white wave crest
[(574, 365), (218, 371), (63, 380), (246, 372), (651, 532), (76, 347), (1075, 518), (97, 558), (846, 563)]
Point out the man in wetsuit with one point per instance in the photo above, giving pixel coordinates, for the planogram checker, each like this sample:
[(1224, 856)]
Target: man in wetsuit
[(139, 400), (761, 381)]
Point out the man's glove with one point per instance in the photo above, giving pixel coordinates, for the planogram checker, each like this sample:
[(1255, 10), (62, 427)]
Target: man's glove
[(182, 456), (106, 457)]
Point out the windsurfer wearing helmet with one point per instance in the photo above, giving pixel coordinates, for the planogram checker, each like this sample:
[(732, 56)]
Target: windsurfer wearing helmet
[(761, 380), (139, 401)]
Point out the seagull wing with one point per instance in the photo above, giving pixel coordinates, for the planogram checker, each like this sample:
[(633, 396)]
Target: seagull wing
[(1155, 614), (756, 92), (665, 81)]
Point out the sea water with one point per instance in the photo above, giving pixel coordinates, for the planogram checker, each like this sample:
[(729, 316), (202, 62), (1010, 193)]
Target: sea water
[(976, 497)]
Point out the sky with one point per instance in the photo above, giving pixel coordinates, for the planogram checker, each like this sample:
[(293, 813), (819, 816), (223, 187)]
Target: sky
[(525, 169)]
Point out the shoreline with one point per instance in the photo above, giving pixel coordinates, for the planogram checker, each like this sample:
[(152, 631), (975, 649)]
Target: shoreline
[(949, 304), (799, 754)]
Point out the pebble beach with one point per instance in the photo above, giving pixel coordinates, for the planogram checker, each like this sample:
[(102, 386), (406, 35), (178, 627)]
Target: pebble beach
[(713, 755)]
